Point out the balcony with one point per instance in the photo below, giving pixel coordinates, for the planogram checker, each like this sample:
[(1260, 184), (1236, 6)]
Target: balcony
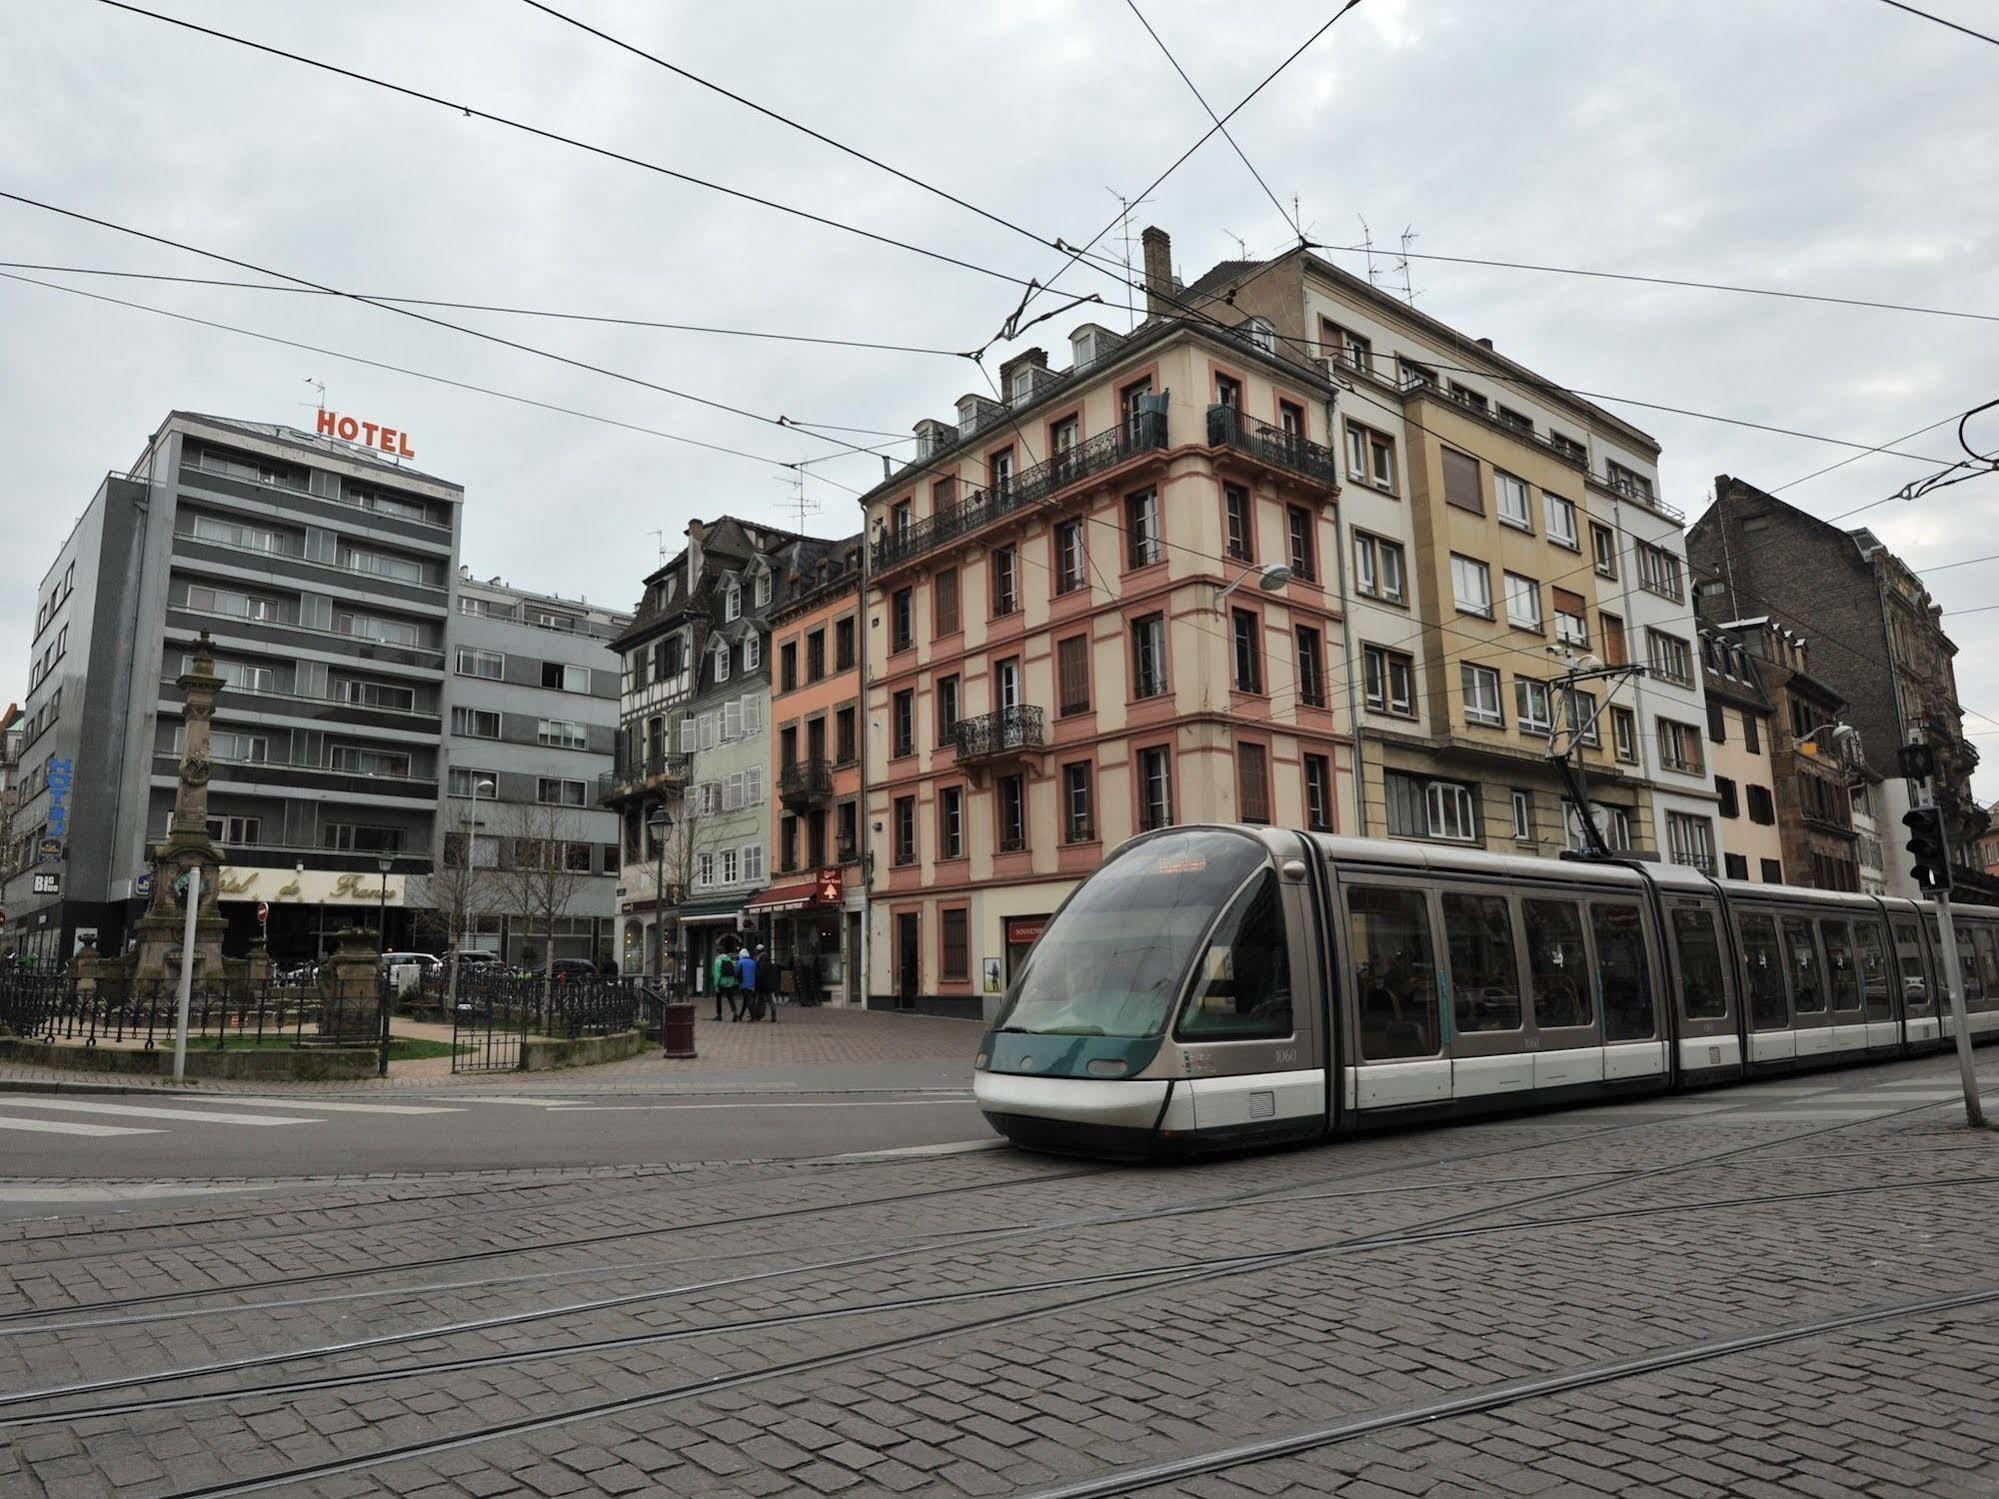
[(655, 774), (805, 784), (1143, 432), (1228, 427), (1642, 494), (992, 736), (1567, 450)]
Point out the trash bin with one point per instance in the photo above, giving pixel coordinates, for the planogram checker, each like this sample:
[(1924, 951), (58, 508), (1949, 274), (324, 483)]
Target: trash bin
[(679, 1027)]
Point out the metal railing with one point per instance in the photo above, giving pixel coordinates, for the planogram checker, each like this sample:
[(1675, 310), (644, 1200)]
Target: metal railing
[(1229, 427), (806, 782), (532, 1004), (1142, 432), (636, 775), (1007, 731), (55, 1007)]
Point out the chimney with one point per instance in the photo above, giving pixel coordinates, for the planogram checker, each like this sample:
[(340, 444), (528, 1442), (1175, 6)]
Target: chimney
[(694, 534), (1158, 269), (1484, 343)]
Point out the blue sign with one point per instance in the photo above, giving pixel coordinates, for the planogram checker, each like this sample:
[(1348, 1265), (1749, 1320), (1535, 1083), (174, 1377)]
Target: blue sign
[(143, 885), (60, 774)]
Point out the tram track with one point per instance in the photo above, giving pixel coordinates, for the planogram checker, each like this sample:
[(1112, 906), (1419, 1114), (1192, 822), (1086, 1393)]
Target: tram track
[(1166, 1274), (527, 1425)]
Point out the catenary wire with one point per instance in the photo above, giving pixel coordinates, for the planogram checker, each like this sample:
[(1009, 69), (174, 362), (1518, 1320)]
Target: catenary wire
[(1954, 26)]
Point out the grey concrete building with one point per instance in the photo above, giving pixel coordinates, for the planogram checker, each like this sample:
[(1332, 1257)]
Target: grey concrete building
[(323, 571), (531, 711)]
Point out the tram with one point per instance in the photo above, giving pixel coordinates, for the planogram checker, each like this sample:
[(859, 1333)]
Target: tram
[(1222, 987)]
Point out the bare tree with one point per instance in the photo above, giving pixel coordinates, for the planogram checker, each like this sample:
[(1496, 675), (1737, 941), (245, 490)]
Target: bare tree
[(671, 867), (543, 876), (450, 898)]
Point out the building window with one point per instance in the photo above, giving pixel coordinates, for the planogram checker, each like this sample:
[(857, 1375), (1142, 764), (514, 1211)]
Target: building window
[(1523, 817), (1378, 568), (954, 924), (763, 586), (730, 867), (718, 658), (1614, 823), (947, 708), (1481, 691), (475, 723), (1461, 486), (1070, 559), (1735, 866), (1515, 500), (491, 665), (951, 822), (1390, 678), (563, 678), (1531, 706), (1235, 504), (704, 871), (1311, 662), (1690, 840), (1659, 572), (1679, 747), (1228, 392), (1252, 763), (815, 648), (1471, 585), (362, 838), (1603, 544), (1318, 793), (843, 644), (556, 792), (787, 666), (1729, 806), (1006, 684), (902, 622), (1148, 656), (236, 831), (999, 471), (1670, 657), (1624, 735), (753, 651), (1304, 545), (944, 601), (1627, 481), (1614, 653), (732, 603), (1419, 808), (1370, 457), (1773, 871), (905, 722), (1006, 581), (1143, 546), (1078, 814), (905, 830), (1072, 672), (1155, 788), (1247, 630), (1010, 794), (1562, 522), (561, 733), (1523, 603)]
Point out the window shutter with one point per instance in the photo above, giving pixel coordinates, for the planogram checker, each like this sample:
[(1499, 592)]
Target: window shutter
[(732, 792), (1461, 486), (732, 721), (688, 731), (753, 786), (753, 861), (752, 714)]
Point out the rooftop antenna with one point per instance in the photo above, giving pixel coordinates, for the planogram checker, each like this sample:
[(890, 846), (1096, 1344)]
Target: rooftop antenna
[(1367, 248), (1124, 219), (659, 538), (1409, 237), (1241, 244), (320, 386), (800, 501)]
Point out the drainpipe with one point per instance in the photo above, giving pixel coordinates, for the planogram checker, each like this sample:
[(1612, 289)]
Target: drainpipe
[(864, 825), (1346, 639)]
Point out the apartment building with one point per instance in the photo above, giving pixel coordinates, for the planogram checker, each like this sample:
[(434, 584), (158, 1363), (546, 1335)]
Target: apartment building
[(11, 734), (1495, 528), (323, 571), (1740, 721), (1877, 643), (695, 742), (1104, 605), (531, 707), (813, 914)]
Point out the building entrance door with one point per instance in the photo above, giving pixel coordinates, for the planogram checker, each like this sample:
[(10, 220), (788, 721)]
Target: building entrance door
[(908, 973)]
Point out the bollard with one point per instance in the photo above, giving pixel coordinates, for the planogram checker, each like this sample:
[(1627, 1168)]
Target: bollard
[(678, 1023)]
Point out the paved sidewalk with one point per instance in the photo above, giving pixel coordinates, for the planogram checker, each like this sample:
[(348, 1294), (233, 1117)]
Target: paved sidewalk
[(806, 1049)]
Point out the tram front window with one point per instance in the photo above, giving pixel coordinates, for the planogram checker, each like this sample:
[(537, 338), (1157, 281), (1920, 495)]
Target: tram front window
[(1244, 988), (1112, 961)]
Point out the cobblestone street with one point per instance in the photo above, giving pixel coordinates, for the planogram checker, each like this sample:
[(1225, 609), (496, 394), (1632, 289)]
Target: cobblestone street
[(1784, 1288)]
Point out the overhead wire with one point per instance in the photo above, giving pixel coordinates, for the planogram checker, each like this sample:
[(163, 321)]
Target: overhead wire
[(1954, 26)]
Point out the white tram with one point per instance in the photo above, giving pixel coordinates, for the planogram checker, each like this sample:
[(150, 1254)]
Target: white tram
[(1218, 987)]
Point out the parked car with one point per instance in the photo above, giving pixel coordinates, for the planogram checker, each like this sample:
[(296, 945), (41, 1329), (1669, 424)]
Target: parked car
[(477, 957), (429, 963), (566, 969)]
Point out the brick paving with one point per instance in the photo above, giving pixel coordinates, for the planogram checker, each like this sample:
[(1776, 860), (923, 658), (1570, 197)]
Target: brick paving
[(925, 1326)]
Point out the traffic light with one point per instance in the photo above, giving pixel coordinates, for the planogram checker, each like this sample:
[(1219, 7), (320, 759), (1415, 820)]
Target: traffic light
[(1918, 761), (1929, 847)]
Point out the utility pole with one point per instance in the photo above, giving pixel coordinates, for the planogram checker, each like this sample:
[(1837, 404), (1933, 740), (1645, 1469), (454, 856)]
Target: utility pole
[(1569, 760), (1929, 842)]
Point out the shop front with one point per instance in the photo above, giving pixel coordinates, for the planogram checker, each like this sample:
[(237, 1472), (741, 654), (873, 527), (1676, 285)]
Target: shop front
[(807, 927)]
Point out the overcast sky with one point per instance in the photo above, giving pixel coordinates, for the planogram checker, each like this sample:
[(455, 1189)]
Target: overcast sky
[(1835, 146)]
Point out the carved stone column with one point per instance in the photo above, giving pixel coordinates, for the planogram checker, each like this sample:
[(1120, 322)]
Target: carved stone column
[(187, 845)]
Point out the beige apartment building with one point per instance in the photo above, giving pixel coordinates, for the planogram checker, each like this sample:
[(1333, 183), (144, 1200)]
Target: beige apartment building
[(1108, 604), (1741, 733)]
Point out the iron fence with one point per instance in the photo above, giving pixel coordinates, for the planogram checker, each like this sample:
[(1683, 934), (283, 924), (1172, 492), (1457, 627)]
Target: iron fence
[(55, 1007)]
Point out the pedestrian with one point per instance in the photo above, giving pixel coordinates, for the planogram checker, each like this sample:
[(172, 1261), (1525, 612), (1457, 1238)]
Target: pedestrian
[(746, 985), (768, 977), (722, 974)]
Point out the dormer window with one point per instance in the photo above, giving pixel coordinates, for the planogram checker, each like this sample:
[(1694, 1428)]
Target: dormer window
[(732, 603), (1023, 384), (752, 652), (1262, 334), (720, 656), (763, 590)]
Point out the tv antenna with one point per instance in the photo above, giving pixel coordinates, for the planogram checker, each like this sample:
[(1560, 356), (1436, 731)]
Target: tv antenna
[(803, 503), (659, 538), (1408, 237), (1367, 249), (1241, 244), (320, 386), (1124, 220)]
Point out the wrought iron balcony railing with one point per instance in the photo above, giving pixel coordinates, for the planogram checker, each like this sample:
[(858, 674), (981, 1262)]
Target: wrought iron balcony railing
[(1142, 432), (1009, 731), (1229, 427), (806, 783), (647, 772)]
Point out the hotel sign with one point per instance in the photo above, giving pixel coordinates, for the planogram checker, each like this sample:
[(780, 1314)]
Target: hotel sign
[(312, 887), (368, 434)]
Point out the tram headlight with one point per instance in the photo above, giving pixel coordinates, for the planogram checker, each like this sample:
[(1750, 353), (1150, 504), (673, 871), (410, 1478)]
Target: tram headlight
[(981, 1060), (1107, 1067)]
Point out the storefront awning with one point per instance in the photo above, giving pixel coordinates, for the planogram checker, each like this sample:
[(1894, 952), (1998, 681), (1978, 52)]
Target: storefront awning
[(785, 898)]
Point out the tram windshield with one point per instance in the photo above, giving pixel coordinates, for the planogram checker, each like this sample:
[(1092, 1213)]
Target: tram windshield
[(1112, 961)]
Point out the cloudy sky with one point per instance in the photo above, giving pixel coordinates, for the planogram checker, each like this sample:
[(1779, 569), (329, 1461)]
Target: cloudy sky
[(1834, 146)]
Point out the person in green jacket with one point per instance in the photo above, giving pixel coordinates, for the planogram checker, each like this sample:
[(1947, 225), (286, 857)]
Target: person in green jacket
[(723, 973)]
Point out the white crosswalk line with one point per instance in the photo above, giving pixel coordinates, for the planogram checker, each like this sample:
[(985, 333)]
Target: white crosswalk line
[(314, 1106), (65, 1127), (133, 1111)]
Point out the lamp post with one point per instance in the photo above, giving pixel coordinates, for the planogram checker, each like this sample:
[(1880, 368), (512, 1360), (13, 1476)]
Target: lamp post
[(658, 824), (383, 863), (469, 822), (1271, 577)]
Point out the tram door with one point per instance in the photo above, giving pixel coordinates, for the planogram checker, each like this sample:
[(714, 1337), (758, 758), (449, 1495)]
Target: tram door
[(1811, 1015), (1705, 991), (1917, 993)]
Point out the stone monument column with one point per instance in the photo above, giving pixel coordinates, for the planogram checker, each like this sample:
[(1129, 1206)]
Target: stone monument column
[(187, 845)]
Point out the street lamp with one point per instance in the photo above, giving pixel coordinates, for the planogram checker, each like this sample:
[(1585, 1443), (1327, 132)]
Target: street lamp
[(1842, 734), (383, 863), (461, 901), (659, 824), (1271, 577)]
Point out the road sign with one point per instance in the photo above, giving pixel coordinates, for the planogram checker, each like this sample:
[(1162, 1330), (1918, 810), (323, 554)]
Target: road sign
[(143, 885), (51, 851), (3, 918), (263, 911)]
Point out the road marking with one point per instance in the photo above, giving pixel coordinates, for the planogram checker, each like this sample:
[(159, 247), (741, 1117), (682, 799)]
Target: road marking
[(62, 1127), (133, 1192), (316, 1107), (530, 1103), (950, 1147), (132, 1111), (843, 1103)]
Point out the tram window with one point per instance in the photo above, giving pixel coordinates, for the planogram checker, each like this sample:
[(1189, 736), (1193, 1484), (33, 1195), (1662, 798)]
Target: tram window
[(1395, 973), (1558, 964), (1485, 972), (1802, 954), (1704, 995), (1763, 966), (1622, 972), (1876, 981), (1988, 962), (1245, 976), (1909, 954), (1841, 972), (1967, 965)]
